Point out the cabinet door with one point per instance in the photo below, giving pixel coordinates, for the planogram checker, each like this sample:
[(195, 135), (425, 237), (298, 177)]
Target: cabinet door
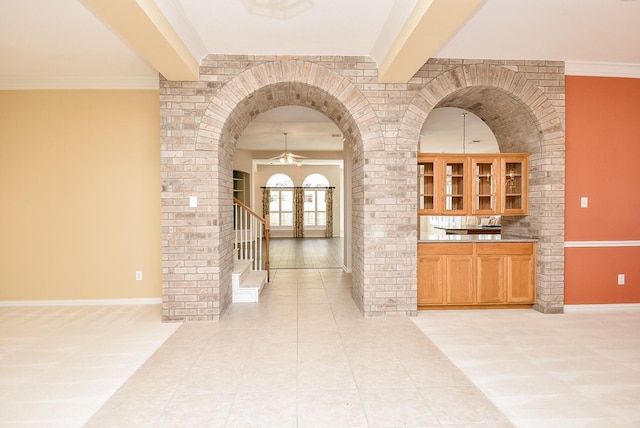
[(521, 277), (491, 279), (428, 193), (485, 182), (513, 184), (430, 280), (455, 186), (460, 282)]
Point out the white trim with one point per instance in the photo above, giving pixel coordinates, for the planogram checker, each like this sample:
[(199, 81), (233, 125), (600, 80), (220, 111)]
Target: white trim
[(91, 302), (599, 307), (601, 69), (42, 83), (598, 244)]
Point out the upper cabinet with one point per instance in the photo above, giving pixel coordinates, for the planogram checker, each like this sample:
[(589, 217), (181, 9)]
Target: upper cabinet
[(481, 184), (514, 184), (427, 178), (486, 183)]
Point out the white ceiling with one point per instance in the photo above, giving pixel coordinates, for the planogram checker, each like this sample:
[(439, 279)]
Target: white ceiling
[(44, 41), (61, 44)]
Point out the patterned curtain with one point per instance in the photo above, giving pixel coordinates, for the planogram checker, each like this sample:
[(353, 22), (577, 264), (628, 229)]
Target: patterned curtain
[(328, 199), (298, 213), (266, 207), (266, 202)]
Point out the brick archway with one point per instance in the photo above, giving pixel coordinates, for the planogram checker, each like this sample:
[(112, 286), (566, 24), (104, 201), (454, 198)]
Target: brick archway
[(201, 236), (523, 118)]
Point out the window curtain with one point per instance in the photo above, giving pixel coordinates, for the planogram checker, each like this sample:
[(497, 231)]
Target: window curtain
[(266, 202), (328, 199), (266, 208), (298, 213)]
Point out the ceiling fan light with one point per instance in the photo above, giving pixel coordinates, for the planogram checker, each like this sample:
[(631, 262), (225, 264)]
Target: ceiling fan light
[(281, 160)]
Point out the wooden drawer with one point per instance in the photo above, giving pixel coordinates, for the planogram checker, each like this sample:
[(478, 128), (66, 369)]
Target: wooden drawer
[(446, 249), (505, 248)]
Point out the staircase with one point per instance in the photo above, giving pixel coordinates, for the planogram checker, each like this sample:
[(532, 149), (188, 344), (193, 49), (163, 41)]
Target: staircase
[(246, 284), (251, 254)]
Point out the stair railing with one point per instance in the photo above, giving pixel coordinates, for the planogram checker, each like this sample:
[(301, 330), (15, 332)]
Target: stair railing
[(251, 237)]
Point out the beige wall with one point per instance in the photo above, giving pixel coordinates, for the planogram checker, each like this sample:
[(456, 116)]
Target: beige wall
[(79, 194)]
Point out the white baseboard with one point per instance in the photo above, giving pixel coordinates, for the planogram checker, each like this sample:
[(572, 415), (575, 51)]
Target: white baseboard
[(79, 302), (599, 307)]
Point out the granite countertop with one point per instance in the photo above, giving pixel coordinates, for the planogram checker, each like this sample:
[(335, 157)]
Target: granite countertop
[(425, 239)]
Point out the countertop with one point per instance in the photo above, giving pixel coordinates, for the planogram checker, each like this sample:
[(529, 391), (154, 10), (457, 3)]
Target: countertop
[(426, 239), (471, 230)]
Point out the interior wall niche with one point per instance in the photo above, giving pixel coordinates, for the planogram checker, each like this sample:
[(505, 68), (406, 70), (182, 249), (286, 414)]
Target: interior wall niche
[(524, 119)]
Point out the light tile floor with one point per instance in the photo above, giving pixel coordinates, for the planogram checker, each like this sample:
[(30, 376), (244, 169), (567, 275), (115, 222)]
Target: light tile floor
[(306, 253), (578, 369), (59, 365), (304, 356)]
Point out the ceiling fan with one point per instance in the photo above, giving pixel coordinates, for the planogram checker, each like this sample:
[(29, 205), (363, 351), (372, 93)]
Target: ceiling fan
[(286, 156)]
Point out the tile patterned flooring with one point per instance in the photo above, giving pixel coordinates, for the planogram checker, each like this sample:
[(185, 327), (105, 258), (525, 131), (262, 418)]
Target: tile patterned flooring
[(578, 369), (305, 357), (59, 365), (306, 253)]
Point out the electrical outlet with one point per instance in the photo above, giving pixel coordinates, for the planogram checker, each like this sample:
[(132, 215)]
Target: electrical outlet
[(138, 275), (620, 279), (584, 202)]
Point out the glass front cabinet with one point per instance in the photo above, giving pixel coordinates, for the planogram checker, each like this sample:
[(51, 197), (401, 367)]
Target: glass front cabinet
[(428, 169), (455, 189), (514, 184), (484, 184)]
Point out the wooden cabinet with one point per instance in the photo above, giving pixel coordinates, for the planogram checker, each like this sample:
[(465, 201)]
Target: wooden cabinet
[(476, 274), (428, 171), (431, 270), (480, 184), (454, 186), (514, 184), (485, 186)]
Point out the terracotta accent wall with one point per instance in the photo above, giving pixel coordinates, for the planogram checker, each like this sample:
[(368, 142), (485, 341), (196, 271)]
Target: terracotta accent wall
[(603, 164), (522, 101), (79, 195)]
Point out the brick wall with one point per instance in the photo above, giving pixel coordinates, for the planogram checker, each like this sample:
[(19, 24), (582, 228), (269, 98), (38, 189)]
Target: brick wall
[(522, 101)]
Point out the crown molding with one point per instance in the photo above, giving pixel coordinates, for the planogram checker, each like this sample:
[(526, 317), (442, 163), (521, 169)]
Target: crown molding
[(602, 69), (42, 83)]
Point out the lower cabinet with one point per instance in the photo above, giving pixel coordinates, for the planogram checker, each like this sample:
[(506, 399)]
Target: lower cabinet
[(476, 274)]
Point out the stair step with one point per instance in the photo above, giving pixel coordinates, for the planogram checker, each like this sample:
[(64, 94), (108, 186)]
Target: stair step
[(255, 279), (240, 266)]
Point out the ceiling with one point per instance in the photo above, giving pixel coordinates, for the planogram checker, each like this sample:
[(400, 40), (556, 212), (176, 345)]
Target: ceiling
[(43, 40), (62, 44)]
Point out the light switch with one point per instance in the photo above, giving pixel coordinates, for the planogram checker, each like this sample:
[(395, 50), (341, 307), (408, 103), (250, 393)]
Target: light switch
[(193, 201), (584, 202)]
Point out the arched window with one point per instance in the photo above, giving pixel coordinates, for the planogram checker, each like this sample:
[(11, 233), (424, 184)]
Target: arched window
[(279, 180), (281, 203), (315, 207), (315, 180)]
